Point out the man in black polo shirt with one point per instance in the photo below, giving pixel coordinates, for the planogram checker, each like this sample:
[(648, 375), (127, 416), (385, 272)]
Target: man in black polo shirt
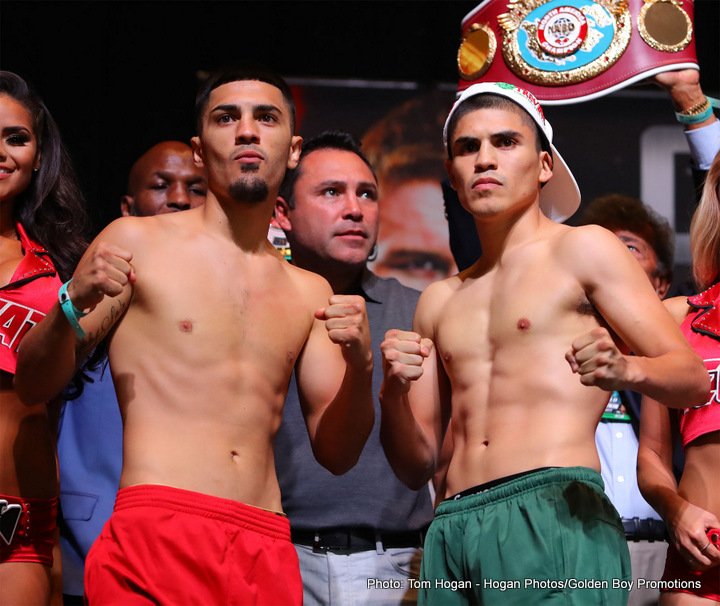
[(359, 535)]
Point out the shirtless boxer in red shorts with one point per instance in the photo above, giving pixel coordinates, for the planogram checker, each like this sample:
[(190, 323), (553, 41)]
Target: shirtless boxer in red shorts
[(206, 321)]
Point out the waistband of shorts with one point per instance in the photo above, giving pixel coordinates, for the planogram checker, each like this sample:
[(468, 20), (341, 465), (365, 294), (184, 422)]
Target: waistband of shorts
[(523, 484), (38, 516), (267, 522)]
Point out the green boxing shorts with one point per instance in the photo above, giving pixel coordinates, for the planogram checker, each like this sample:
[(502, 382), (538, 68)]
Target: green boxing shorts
[(548, 535)]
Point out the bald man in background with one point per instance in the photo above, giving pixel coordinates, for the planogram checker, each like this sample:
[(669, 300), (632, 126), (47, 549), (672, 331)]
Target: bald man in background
[(163, 180)]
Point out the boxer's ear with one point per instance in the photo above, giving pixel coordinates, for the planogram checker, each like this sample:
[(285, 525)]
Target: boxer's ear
[(282, 214), (197, 152), (546, 167), (295, 150)]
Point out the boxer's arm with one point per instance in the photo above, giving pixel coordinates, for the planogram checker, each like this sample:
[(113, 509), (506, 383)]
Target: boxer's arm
[(664, 366), (414, 399), (52, 351), (334, 377)]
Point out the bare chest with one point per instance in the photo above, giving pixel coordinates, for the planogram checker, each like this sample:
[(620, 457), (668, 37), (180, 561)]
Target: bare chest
[(512, 310), (220, 310)]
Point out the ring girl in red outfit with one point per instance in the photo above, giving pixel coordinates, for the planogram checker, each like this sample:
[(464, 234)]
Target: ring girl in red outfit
[(42, 226), (691, 507)]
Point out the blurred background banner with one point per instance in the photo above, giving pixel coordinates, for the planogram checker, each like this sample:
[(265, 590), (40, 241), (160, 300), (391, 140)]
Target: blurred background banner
[(628, 141)]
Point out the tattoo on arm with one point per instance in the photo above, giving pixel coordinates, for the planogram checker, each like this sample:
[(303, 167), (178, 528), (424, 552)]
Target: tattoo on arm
[(92, 338)]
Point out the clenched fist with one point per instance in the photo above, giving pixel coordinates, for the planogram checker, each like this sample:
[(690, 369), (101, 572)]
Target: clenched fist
[(106, 270), (347, 325), (597, 359), (403, 355)]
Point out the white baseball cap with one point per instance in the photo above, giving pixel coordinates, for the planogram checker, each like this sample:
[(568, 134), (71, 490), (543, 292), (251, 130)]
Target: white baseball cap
[(560, 197)]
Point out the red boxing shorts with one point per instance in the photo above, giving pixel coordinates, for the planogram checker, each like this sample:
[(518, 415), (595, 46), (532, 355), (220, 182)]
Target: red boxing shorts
[(678, 577), (27, 529), (164, 545)]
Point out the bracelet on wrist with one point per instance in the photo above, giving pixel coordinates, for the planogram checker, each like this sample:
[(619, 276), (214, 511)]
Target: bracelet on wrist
[(72, 313), (698, 108), (698, 112)]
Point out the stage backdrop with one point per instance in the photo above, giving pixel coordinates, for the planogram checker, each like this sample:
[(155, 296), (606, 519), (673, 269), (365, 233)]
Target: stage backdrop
[(627, 142)]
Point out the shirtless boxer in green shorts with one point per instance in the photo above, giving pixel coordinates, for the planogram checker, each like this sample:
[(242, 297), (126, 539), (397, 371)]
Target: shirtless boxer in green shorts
[(516, 350)]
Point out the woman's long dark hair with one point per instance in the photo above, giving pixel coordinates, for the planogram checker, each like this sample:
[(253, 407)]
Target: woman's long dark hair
[(52, 208)]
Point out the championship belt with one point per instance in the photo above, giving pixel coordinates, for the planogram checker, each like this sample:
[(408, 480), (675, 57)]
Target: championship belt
[(567, 51)]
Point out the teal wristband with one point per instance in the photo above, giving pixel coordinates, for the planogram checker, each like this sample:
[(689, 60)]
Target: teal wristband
[(695, 118), (71, 312)]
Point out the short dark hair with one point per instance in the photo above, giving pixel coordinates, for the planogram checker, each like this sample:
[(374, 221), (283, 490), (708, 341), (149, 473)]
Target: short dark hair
[(492, 101), (329, 139), (250, 71), (617, 212)]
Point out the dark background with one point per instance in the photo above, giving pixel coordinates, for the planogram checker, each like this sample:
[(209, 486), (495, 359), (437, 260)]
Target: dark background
[(120, 76)]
